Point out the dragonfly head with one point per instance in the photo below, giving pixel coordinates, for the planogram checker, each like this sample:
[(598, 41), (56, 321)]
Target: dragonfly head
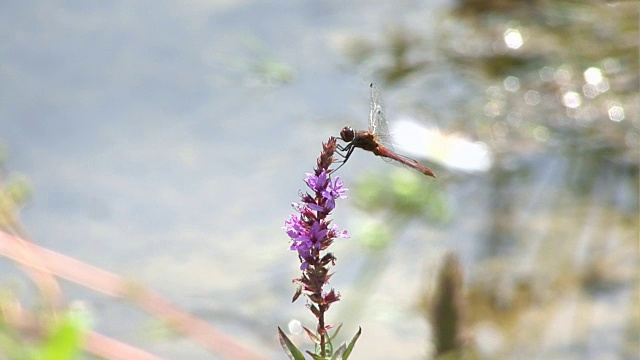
[(347, 134)]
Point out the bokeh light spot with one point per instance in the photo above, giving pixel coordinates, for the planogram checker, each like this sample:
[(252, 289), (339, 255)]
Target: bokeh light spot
[(593, 75), (511, 83), (295, 327), (616, 113), (532, 97), (547, 73), (513, 39), (563, 76), (493, 108), (571, 99), (541, 133)]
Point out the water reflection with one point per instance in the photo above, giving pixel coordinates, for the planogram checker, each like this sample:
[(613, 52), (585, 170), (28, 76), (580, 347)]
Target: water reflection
[(557, 225)]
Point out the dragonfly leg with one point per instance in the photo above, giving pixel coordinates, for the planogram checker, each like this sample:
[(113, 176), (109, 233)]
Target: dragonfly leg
[(345, 157), (340, 154)]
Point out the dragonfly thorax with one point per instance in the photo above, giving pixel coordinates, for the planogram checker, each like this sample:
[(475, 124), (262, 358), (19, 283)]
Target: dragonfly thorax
[(347, 134)]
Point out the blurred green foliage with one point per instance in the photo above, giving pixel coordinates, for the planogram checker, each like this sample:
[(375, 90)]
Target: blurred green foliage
[(394, 198), (15, 192), (64, 337), (402, 195), (50, 335)]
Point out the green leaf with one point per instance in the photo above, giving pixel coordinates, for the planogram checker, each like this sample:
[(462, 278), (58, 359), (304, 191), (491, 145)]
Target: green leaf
[(289, 348), (315, 357), (335, 333), (311, 335), (339, 354), (352, 344), (314, 309), (297, 294), (328, 349)]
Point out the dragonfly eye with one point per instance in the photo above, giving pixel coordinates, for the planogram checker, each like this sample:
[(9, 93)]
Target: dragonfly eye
[(347, 134)]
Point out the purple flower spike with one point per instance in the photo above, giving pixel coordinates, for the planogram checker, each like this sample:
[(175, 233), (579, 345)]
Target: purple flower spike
[(311, 235), (317, 183)]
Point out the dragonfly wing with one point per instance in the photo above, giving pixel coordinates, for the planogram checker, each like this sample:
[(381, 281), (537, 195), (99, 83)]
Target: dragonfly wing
[(377, 121), (379, 128)]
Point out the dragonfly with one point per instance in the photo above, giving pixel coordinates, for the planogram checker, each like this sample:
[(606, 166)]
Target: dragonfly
[(377, 138)]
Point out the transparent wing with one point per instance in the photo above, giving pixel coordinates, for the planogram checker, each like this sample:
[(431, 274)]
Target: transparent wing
[(379, 128), (377, 122)]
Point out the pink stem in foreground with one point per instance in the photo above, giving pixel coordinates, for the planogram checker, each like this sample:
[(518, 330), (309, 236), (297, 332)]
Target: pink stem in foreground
[(110, 284)]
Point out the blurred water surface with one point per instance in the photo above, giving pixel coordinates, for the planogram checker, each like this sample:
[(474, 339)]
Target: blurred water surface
[(165, 142)]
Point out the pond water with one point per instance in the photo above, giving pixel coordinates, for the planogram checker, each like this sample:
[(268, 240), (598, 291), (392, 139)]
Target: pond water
[(165, 142)]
